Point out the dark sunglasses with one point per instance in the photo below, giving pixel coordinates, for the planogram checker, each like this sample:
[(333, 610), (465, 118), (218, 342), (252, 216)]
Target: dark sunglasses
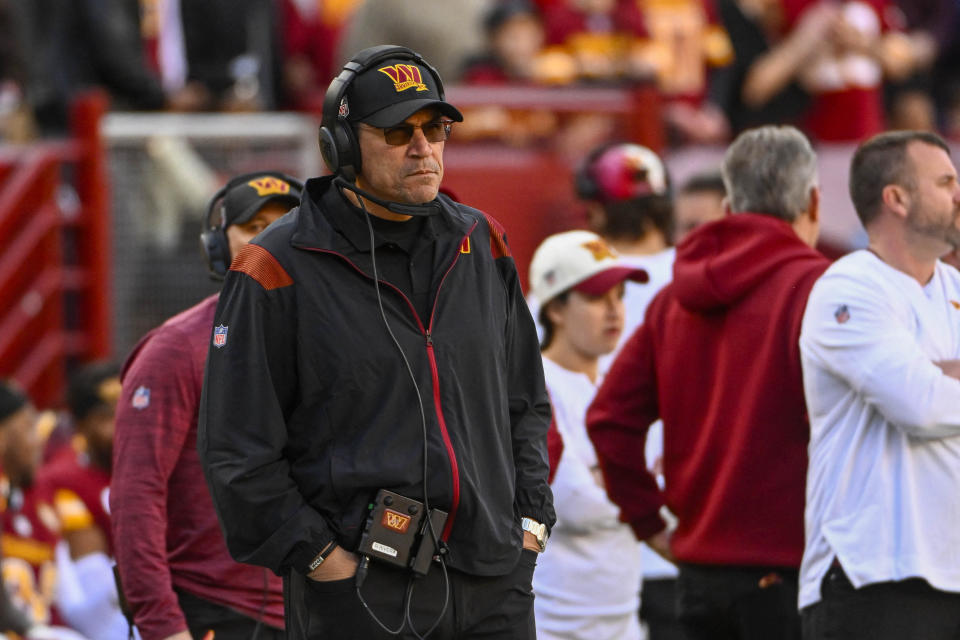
[(436, 131)]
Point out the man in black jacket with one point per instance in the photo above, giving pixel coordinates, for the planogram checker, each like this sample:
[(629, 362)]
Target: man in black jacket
[(376, 338)]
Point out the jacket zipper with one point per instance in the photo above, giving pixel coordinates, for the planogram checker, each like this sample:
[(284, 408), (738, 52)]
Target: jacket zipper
[(434, 374)]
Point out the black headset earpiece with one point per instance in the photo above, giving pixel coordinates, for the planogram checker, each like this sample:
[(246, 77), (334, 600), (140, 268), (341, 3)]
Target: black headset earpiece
[(213, 237), (338, 142)]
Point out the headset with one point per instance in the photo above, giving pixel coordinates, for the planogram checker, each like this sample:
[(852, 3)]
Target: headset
[(338, 140), (213, 237)]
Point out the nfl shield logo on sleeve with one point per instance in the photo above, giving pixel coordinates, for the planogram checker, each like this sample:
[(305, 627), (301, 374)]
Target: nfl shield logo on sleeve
[(141, 398), (220, 336)]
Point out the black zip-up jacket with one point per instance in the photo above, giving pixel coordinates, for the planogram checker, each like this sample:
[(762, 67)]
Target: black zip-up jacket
[(308, 408)]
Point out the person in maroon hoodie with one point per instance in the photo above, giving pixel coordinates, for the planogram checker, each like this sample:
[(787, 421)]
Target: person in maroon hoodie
[(175, 570), (717, 359)]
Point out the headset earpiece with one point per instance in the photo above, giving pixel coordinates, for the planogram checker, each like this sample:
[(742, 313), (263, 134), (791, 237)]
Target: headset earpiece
[(340, 149), (216, 250), (213, 237), (338, 141)]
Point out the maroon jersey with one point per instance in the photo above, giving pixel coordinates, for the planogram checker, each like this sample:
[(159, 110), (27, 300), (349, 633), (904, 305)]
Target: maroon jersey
[(165, 530), (78, 491), (29, 538)]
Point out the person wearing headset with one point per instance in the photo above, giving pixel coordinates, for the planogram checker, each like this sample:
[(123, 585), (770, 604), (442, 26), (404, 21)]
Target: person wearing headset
[(175, 570), (377, 339)]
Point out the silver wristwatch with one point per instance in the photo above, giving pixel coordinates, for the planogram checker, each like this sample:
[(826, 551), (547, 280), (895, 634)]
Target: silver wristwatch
[(537, 529)]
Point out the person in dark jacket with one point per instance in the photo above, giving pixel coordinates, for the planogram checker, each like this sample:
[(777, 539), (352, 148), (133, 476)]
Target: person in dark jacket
[(377, 338), (717, 359)]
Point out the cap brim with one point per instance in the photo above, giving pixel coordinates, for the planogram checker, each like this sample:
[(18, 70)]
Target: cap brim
[(609, 278), (252, 210), (397, 113)]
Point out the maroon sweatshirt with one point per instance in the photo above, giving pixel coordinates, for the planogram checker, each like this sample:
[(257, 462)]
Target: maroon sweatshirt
[(717, 358), (165, 530)]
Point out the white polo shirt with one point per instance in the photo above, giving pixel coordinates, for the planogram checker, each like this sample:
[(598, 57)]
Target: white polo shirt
[(591, 567), (883, 485)]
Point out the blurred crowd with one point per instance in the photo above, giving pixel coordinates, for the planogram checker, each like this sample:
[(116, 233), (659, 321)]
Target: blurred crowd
[(839, 69)]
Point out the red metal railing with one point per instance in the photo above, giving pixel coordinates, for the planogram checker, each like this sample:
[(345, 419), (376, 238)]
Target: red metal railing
[(55, 256)]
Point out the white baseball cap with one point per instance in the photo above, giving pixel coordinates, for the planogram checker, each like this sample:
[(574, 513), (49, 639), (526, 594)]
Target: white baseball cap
[(579, 260)]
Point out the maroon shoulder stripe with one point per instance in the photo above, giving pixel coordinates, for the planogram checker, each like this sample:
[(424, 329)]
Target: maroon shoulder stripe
[(259, 264), (498, 242)]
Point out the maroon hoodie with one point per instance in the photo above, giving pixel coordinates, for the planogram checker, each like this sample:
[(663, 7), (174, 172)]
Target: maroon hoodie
[(717, 359)]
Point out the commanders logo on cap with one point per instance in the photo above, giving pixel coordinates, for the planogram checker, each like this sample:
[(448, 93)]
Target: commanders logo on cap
[(600, 250), (268, 186), (405, 76)]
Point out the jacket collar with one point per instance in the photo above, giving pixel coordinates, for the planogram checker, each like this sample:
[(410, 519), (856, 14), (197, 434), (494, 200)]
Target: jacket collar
[(328, 221)]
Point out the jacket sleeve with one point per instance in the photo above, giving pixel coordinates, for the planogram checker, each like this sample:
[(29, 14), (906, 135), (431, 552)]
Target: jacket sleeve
[(854, 331), (147, 445), (249, 393), (617, 422), (529, 404)]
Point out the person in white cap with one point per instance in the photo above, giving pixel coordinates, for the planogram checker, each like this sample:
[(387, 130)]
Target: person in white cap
[(588, 580)]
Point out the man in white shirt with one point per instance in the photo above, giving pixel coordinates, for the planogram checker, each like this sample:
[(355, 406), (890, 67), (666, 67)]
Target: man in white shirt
[(880, 348)]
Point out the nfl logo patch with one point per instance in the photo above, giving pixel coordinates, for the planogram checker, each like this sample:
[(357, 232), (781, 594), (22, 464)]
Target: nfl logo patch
[(219, 336), (842, 314), (141, 398)]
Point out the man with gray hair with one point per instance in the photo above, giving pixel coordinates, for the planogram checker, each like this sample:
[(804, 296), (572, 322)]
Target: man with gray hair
[(717, 359), (880, 349)]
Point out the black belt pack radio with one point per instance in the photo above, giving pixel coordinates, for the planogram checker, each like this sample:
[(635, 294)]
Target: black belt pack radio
[(396, 532)]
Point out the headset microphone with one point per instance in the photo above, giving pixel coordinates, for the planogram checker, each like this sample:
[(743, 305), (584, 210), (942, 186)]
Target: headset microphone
[(426, 209)]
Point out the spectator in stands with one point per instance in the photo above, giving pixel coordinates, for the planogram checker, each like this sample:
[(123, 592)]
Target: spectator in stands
[(820, 64), (588, 581), (220, 55), (596, 40), (447, 32), (699, 200), (81, 44), (77, 481), (881, 364), (929, 28), (514, 35), (735, 428), (176, 572), (310, 34), (690, 50), (762, 85), (514, 40), (946, 83)]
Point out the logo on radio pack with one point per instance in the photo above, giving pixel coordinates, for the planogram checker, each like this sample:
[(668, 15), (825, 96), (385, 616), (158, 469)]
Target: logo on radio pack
[(396, 521)]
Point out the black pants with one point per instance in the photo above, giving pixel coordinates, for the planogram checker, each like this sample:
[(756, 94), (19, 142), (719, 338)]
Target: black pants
[(902, 610), (738, 603), (204, 616), (658, 609), (499, 607)]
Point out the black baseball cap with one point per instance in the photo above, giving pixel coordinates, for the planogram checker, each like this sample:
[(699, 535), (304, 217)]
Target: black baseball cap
[(243, 201), (391, 91)]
